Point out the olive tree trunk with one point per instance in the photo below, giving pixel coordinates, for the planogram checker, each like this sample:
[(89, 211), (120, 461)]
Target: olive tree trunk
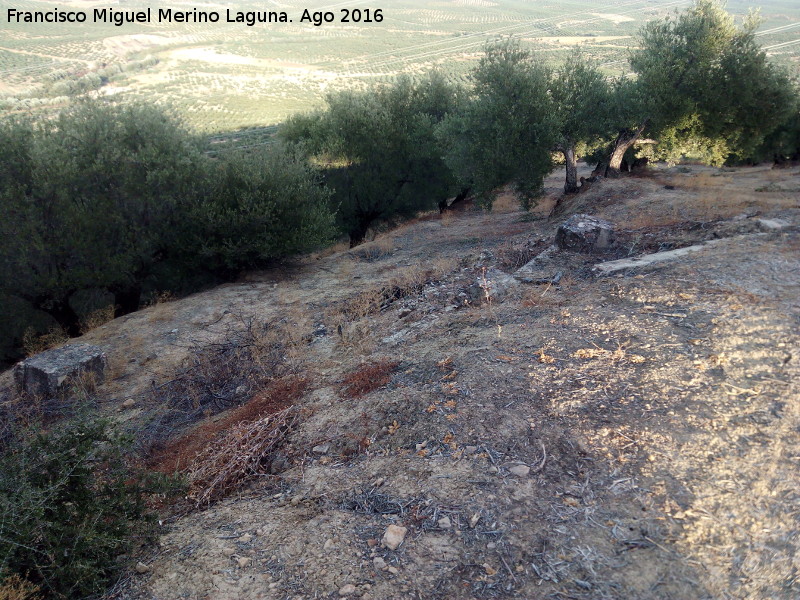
[(571, 160)]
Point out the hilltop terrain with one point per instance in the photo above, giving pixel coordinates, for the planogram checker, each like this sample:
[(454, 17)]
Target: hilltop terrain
[(623, 436)]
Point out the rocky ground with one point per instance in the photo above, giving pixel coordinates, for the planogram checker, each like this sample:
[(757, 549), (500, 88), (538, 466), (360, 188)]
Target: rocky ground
[(635, 435)]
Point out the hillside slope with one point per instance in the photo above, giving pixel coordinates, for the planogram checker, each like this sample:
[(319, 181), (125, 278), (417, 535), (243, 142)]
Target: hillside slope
[(629, 436)]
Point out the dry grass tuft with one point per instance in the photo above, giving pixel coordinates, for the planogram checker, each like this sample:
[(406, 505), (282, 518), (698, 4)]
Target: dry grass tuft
[(368, 378), (242, 452), (374, 250), (34, 343), (15, 587), (97, 317)]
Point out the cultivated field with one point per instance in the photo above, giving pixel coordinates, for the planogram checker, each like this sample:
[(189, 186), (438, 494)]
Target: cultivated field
[(222, 76)]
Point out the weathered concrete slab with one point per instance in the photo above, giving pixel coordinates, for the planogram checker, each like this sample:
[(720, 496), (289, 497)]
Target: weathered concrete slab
[(612, 266), (47, 373)]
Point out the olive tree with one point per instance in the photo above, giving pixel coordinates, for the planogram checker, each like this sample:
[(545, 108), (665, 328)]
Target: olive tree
[(378, 151), (505, 132), (583, 107)]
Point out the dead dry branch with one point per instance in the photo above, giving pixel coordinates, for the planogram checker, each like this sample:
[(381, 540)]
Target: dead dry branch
[(238, 455)]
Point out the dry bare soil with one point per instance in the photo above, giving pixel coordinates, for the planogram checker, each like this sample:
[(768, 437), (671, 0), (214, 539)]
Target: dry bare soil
[(628, 436)]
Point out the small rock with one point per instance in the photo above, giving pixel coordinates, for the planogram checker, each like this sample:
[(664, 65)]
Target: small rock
[(321, 449), (274, 585), (491, 285), (444, 523), (470, 449), (228, 551), (372, 542), (279, 464), (473, 520), (246, 538), (379, 563), (520, 470), (129, 403), (243, 561), (328, 544), (493, 469), (421, 446), (394, 536), (142, 568), (773, 224), (347, 590), (378, 482), (393, 570), (296, 499)]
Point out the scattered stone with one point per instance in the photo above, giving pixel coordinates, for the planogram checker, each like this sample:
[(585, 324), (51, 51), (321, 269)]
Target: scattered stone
[(47, 373), (470, 449), (279, 463), (372, 542), (347, 590), (542, 268), (768, 225), (243, 561), (404, 312), (328, 544), (491, 285), (584, 233), (393, 570), (129, 403), (142, 568), (379, 482), (321, 449), (379, 563), (229, 551), (296, 499), (520, 470), (394, 536), (421, 446), (444, 523), (473, 520)]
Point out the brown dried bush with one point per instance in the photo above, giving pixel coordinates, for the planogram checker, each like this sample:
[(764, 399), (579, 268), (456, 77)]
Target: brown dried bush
[(368, 378), (179, 454), (216, 377), (237, 455)]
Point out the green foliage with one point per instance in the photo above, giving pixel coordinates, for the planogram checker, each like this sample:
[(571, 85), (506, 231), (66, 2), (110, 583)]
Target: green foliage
[(258, 207), (583, 103), (70, 504), (96, 202), (379, 151), (506, 131), (114, 199), (706, 79)]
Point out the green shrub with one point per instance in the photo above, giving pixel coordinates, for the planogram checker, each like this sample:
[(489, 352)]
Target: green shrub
[(255, 208), (70, 504)]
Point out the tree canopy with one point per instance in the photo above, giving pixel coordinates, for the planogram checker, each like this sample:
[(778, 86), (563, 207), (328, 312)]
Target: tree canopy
[(507, 129)]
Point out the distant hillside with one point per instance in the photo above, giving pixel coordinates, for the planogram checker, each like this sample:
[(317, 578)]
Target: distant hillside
[(223, 76)]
